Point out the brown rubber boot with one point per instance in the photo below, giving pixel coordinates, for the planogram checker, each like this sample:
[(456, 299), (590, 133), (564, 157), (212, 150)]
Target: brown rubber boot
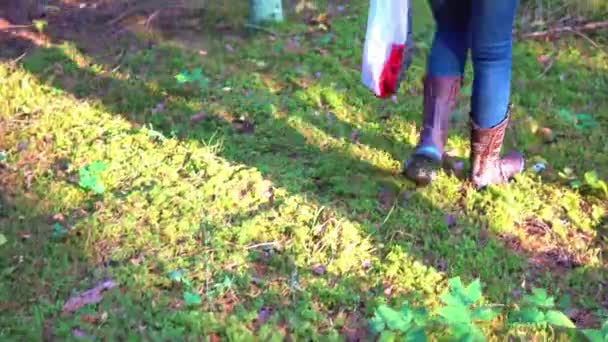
[(487, 167), (440, 94)]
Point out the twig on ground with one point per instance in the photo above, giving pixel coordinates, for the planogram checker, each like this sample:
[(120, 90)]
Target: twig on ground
[(157, 6), (263, 244), (547, 68), (563, 30), (151, 18), (16, 60), (118, 58), (586, 37), (14, 27), (263, 29)]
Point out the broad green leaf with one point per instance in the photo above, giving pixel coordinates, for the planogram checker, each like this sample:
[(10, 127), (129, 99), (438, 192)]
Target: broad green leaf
[(3, 239), (406, 313), (604, 187), (203, 83), (182, 77), (98, 188), (575, 184), (459, 295), (540, 298), (192, 298), (473, 291), (89, 177), (278, 48), (452, 299), (196, 74), (3, 156), (466, 332), (455, 314), (177, 275), (565, 302), (377, 324), (483, 314), (594, 335), (40, 25), (97, 167), (59, 230), (585, 121), (326, 39), (456, 284), (393, 319), (416, 335), (567, 116), (387, 336), (528, 316), (557, 318), (591, 177), (421, 316)]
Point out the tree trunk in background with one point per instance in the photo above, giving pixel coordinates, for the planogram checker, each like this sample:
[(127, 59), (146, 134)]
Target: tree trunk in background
[(265, 11), (21, 11)]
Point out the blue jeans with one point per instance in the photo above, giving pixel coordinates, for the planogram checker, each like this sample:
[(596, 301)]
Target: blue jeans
[(483, 27)]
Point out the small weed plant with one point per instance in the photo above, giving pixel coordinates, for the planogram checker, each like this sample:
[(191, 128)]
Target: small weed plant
[(462, 317)]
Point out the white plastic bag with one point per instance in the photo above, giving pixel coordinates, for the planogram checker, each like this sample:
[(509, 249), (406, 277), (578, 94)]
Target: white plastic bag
[(386, 49)]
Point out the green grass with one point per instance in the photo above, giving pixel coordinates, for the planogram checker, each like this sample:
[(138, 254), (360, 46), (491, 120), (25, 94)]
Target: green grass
[(269, 208)]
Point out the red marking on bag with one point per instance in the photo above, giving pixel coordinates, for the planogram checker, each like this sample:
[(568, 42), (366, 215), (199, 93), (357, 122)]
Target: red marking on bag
[(390, 73)]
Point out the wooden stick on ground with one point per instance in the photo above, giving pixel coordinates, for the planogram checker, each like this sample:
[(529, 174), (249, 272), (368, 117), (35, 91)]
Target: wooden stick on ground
[(564, 29)]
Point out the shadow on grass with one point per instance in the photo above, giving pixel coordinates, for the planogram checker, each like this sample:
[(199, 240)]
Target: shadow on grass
[(286, 139)]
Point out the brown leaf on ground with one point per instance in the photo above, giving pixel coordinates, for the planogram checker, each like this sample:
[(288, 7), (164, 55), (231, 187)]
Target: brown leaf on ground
[(244, 126), (536, 227), (450, 220), (355, 329), (583, 319), (92, 296), (354, 136), (322, 19), (556, 258), (90, 319), (386, 199), (293, 46), (198, 117), (542, 252), (318, 269), (263, 316)]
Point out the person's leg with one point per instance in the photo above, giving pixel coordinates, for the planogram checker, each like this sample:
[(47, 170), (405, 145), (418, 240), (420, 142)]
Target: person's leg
[(442, 82), (491, 45), (451, 40)]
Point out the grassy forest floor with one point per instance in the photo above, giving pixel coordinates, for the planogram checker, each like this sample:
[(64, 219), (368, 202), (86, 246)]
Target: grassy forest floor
[(232, 184)]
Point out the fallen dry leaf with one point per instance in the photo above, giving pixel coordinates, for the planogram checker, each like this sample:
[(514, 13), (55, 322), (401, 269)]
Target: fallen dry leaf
[(318, 269), (159, 108), (293, 46), (92, 296), (386, 199), (90, 319), (354, 136), (449, 220), (198, 117), (243, 126), (547, 134), (263, 316), (543, 59), (79, 333)]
